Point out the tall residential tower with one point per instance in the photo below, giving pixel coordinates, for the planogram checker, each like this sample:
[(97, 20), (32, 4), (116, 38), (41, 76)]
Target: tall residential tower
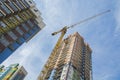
[(73, 61), (20, 20)]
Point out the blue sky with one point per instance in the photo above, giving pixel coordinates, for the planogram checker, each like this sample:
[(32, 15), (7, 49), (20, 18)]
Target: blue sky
[(102, 34)]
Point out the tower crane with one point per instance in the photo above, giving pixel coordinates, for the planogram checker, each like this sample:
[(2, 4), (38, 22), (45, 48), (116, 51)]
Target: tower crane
[(63, 31)]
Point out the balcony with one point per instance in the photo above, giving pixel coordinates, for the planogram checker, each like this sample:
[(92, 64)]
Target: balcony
[(4, 8), (30, 3), (19, 5), (12, 6), (25, 7), (25, 3)]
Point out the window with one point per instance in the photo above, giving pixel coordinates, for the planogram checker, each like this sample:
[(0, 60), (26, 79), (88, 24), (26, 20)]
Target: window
[(4, 41), (5, 8), (19, 30), (31, 32), (26, 36), (20, 40), (14, 46), (25, 27), (12, 35), (5, 54), (18, 3), (13, 6), (2, 24), (25, 3), (30, 23)]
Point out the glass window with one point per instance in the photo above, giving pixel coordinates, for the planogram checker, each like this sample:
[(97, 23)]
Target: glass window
[(2, 47), (21, 40), (19, 30), (18, 3), (13, 6), (30, 23), (31, 32), (25, 27), (14, 46), (36, 28), (10, 33), (5, 8), (2, 24), (25, 3), (6, 53), (4, 41), (26, 36)]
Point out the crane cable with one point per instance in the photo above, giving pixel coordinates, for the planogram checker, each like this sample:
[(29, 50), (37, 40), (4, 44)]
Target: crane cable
[(87, 19)]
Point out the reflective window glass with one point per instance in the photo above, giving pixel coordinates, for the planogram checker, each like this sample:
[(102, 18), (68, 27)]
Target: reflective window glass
[(2, 24), (4, 54), (14, 46), (13, 6), (4, 41), (31, 32), (18, 3), (5, 8), (19, 30), (20, 40), (12, 35), (25, 3), (25, 27), (26, 36), (30, 23)]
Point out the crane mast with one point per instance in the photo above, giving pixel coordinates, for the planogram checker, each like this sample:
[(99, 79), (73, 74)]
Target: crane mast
[(49, 65)]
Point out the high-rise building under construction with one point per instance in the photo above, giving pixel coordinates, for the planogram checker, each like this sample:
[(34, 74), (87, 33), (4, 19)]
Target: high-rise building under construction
[(20, 20), (72, 61)]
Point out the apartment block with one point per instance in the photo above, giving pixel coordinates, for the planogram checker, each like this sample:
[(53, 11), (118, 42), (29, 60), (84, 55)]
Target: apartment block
[(20, 21)]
